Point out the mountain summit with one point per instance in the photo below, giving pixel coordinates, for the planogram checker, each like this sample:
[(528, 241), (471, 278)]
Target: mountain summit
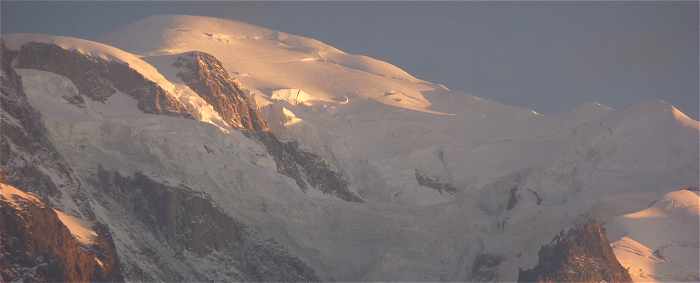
[(195, 149)]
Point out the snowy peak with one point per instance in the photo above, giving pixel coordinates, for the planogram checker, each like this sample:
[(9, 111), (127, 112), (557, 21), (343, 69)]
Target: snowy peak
[(362, 174), (167, 27), (225, 30), (684, 119), (686, 200), (660, 243), (270, 60)]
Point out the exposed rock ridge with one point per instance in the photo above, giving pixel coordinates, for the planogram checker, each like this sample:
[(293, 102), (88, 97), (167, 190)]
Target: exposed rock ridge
[(205, 74), (98, 78), (306, 168), (35, 246), (434, 183), (582, 254), (188, 220)]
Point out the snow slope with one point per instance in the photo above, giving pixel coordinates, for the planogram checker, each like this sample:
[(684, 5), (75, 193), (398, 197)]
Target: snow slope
[(593, 160), (270, 60), (660, 243), (353, 112), (362, 114), (242, 180)]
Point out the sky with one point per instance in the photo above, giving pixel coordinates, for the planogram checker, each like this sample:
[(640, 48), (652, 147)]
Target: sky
[(548, 56)]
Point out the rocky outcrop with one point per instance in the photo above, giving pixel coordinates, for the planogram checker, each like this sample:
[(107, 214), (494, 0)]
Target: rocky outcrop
[(307, 169), (434, 183), (582, 254), (35, 246), (99, 78), (507, 193), (188, 220), (205, 74)]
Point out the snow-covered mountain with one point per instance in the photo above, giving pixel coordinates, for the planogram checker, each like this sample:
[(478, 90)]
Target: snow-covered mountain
[(210, 149), (660, 243)]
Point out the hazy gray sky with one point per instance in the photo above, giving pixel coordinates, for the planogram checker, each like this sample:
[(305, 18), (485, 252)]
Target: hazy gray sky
[(549, 56)]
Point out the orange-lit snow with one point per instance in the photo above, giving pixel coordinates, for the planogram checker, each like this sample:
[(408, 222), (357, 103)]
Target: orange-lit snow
[(11, 194), (660, 243), (78, 228)]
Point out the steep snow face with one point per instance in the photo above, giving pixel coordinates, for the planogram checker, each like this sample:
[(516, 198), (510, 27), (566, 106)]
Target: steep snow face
[(660, 243)]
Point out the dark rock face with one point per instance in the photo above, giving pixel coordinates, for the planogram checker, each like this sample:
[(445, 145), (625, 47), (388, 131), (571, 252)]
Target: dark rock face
[(513, 199), (504, 195), (35, 246), (434, 183), (98, 78), (205, 74), (582, 254), (307, 169), (186, 219)]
